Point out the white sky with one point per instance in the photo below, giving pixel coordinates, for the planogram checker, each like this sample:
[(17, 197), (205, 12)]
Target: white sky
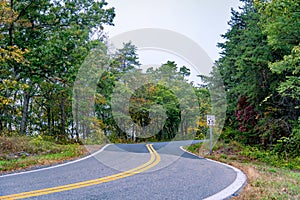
[(203, 21)]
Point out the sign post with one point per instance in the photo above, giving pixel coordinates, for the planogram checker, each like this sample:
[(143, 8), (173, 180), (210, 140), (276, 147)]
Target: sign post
[(211, 120)]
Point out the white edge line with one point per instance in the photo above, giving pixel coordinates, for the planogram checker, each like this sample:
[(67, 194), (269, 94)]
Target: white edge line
[(234, 187), (55, 166)]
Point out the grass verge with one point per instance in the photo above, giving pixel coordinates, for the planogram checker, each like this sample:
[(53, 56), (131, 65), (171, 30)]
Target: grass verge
[(19, 153), (265, 181)]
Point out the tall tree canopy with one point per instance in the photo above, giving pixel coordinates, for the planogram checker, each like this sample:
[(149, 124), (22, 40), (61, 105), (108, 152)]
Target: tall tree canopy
[(259, 65), (42, 46)]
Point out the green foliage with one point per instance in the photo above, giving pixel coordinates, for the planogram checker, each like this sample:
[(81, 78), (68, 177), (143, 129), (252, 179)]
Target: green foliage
[(115, 138), (150, 99), (143, 103), (42, 46), (230, 134), (280, 20), (223, 156), (260, 68), (194, 147), (272, 158), (290, 65), (289, 147), (199, 136)]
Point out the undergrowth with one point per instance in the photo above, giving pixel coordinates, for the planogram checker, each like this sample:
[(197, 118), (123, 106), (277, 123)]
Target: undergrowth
[(22, 152), (235, 150), (269, 175)]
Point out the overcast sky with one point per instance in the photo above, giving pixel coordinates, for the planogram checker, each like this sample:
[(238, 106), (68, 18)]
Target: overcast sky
[(202, 21)]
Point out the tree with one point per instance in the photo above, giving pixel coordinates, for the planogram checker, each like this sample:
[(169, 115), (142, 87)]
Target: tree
[(244, 62), (10, 55), (280, 21), (157, 104), (57, 35), (124, 60), (259, 65)]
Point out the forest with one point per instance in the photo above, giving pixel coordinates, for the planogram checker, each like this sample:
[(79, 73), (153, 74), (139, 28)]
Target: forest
[(44, 43), (259, 65)]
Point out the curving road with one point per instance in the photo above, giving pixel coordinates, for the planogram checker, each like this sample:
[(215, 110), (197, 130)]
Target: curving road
[(128, 171)]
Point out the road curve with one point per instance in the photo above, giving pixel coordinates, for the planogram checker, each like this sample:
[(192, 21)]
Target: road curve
[(128, 171)]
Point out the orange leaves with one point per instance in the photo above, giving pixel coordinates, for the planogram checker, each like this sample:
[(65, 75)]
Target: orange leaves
[(99, 99)]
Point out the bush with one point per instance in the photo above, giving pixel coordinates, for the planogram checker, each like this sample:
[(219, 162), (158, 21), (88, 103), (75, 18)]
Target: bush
[(229, 134), (270, 157), (194, 147), (200, 136), (12, 144), (113, 138), (289, 147)]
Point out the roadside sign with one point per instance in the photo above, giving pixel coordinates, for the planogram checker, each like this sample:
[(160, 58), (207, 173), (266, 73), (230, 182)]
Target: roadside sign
[(211, 120)]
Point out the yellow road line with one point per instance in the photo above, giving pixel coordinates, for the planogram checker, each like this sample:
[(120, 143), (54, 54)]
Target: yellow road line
[(154, 160)]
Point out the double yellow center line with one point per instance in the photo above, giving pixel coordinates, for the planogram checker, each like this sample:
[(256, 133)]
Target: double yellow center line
[(154, 160)]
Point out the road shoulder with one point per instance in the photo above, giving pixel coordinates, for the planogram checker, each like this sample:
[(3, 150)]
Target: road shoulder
[(234, 188)]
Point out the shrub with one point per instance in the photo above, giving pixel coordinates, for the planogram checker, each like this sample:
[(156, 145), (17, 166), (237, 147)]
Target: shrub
[(289, 147), (229, 134)]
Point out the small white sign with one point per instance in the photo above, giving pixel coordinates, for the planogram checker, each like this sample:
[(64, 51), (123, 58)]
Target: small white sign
[(211, 120)]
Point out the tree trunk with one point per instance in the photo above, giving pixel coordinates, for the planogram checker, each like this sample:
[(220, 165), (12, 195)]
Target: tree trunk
[(49, 119), (24, 113), (63, 117), (76, 121)]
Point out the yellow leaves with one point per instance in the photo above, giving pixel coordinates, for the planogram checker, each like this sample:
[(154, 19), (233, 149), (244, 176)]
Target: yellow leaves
[(24, 86), (270, 110), (78, 32), (97, 122), (7, 83), (9, 17), (99, 99), (191, 130), (97, 135), (152, 88), (202, 123), (5, 102), (2, 51), (13, 53), (140, 100)]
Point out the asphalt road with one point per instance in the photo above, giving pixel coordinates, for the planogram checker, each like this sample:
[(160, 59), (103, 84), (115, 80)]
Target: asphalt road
[(129, 171)]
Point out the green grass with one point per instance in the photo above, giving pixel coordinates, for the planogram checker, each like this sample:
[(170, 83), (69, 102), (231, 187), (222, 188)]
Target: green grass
[(41, 152), (269, 177)]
